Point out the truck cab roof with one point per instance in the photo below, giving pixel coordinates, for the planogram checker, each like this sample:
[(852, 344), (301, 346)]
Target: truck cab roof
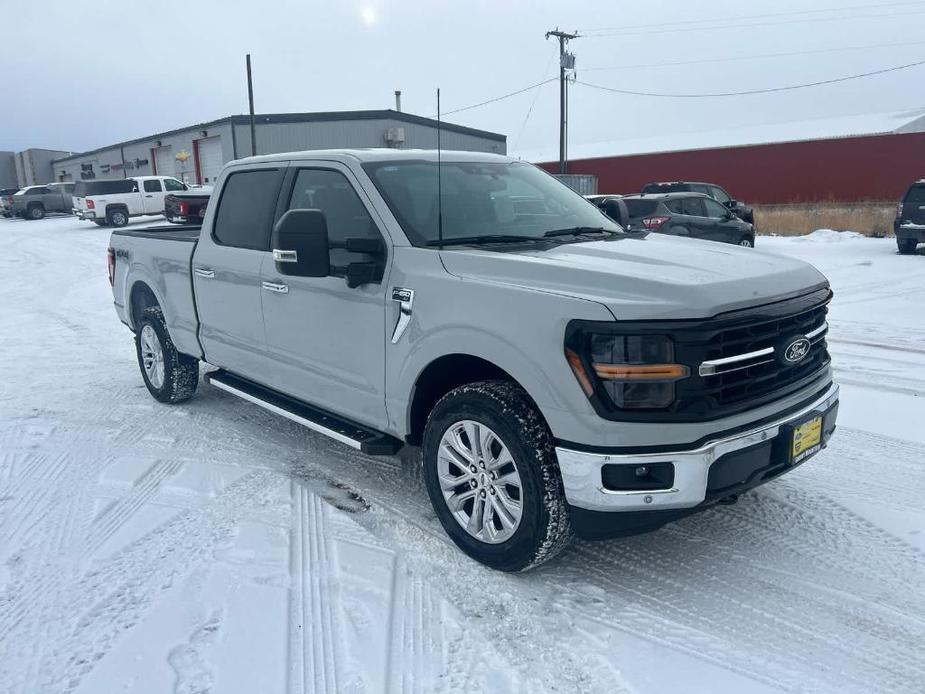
[(374, 154)]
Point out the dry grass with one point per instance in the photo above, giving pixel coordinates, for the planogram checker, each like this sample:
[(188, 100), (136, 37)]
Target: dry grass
[(871, 219)]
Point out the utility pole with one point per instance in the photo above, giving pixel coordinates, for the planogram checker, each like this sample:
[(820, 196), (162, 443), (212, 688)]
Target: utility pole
[(250, 99), (566, 62)]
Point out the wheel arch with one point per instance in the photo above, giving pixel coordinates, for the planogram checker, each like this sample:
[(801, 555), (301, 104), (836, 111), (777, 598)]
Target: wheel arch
[(141, 296), (439, 377)]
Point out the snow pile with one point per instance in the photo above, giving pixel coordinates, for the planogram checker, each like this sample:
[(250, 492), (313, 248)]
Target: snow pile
[(829, 236)]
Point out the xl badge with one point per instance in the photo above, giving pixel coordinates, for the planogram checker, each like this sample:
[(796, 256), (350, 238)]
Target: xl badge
[(796, 350)]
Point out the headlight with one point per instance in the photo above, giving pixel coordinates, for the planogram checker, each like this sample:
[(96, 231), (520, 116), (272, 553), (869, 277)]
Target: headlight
[(631, 371)]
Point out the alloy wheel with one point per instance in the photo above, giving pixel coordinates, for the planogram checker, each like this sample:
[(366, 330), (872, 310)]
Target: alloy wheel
[(152, 356), (480, 482)]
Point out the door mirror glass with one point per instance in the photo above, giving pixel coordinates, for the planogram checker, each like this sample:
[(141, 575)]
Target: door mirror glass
[(300, 245)]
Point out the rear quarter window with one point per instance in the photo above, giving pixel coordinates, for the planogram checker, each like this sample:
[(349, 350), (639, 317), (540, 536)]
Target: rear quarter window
[(641, 208)]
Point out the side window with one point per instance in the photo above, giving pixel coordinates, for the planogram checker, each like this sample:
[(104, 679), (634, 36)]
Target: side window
[(719, 194), (153, 186), (693, 207), (714, 209), (699, 188), (245, 209), (172, 184), (674, 206), (331, 192), (39, 191)]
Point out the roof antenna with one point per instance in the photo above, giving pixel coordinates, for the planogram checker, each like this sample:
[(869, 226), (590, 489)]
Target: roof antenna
[(439, 178)]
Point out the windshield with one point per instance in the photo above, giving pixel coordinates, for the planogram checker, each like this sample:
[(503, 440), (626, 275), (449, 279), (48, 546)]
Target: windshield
[(498, 199)]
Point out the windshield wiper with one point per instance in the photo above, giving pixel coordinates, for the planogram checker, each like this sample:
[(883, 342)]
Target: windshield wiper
[(486, 238), (578, 231)]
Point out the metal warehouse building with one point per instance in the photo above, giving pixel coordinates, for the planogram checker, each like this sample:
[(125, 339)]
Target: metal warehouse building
[(850, 159), (196, 154)]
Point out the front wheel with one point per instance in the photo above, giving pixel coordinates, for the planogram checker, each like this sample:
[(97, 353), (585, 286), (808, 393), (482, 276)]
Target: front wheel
[(493, 478), (169, 375), (747, 242), (906, 246)]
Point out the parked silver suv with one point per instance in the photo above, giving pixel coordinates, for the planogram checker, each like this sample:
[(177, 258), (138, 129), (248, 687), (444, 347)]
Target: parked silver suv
[(561, 375)]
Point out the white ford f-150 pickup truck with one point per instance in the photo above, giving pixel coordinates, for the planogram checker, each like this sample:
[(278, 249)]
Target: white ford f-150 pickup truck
[(561, 375)]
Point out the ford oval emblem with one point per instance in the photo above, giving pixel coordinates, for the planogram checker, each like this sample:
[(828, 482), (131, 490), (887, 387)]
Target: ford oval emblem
[(796, 350)]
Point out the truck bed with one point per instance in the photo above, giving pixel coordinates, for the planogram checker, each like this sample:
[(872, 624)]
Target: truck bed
[(187, 233)]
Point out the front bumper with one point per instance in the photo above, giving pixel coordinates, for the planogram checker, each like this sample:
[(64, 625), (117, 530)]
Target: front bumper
[(699, 474)]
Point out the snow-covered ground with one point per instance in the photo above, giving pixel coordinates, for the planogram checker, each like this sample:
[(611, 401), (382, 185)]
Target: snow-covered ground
[(213, 547)]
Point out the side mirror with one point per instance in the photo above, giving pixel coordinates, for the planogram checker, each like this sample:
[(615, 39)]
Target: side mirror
[(732, 204), (301, 246)]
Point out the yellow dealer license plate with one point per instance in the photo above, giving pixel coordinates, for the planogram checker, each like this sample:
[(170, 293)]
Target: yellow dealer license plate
[(807, 440)]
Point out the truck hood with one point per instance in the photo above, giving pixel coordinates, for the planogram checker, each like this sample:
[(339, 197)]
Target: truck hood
[(645, 277)]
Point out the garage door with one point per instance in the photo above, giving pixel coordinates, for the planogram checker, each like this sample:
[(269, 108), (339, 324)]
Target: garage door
[(165, 163), (210, 158)]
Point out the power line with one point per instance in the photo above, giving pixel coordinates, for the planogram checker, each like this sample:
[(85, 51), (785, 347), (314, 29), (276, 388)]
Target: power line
[(536, 94), (732, 59), (754, 91), (502, 97), (718, 26), (719, 20)]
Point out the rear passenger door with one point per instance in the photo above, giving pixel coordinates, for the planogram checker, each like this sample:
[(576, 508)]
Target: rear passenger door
[(325, 340), (226, 270)]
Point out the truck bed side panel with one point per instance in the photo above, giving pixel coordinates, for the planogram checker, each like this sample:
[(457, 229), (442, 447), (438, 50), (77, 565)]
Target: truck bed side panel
[(161, 261)]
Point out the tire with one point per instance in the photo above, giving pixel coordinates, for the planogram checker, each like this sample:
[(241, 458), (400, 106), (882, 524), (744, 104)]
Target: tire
[(178, 374), (506, 417), (747, 242), (117, 217), (906, 246), (100, 222), (35, 212)]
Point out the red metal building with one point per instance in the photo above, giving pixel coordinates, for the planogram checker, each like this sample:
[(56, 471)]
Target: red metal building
[(840, 163)]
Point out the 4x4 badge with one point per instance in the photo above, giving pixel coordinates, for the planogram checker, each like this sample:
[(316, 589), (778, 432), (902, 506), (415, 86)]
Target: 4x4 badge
[(405, 299)]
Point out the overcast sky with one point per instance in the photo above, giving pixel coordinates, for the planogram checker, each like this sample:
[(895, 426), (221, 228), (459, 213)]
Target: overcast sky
[(80, 76)]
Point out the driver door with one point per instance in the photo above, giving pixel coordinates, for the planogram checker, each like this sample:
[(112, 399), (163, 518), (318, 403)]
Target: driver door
[(326, 341)]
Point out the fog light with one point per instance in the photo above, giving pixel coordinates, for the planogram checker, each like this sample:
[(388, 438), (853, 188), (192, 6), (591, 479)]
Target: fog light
[(638, 478)]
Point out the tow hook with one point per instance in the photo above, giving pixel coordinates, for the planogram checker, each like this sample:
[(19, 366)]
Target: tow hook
[(729, 500)]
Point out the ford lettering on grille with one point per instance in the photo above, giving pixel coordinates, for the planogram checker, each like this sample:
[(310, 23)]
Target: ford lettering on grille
[(796, 350)]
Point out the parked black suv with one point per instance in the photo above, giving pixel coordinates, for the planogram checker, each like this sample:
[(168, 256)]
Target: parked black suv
[(718, 193), (909, 225), (681, 214)]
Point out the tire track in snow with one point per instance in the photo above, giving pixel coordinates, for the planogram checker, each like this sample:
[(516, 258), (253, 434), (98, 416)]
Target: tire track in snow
[(113, 597), (315, 641), (416, 631)]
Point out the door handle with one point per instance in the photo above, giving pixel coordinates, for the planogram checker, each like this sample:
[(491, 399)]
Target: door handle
[(204, 272), (274, 287), (149, 196)]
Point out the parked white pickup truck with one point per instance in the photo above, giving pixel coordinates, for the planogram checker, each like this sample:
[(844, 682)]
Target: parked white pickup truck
[(113, 202)]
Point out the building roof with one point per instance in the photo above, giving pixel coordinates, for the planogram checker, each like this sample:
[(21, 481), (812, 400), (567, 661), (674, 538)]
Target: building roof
[(326, 116), (774, 133)]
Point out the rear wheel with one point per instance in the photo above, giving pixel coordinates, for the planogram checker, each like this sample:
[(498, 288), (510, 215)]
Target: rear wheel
[(493, 478), (747, 242), (117, 217), (35, 212), (906, 246), (169, 375)]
